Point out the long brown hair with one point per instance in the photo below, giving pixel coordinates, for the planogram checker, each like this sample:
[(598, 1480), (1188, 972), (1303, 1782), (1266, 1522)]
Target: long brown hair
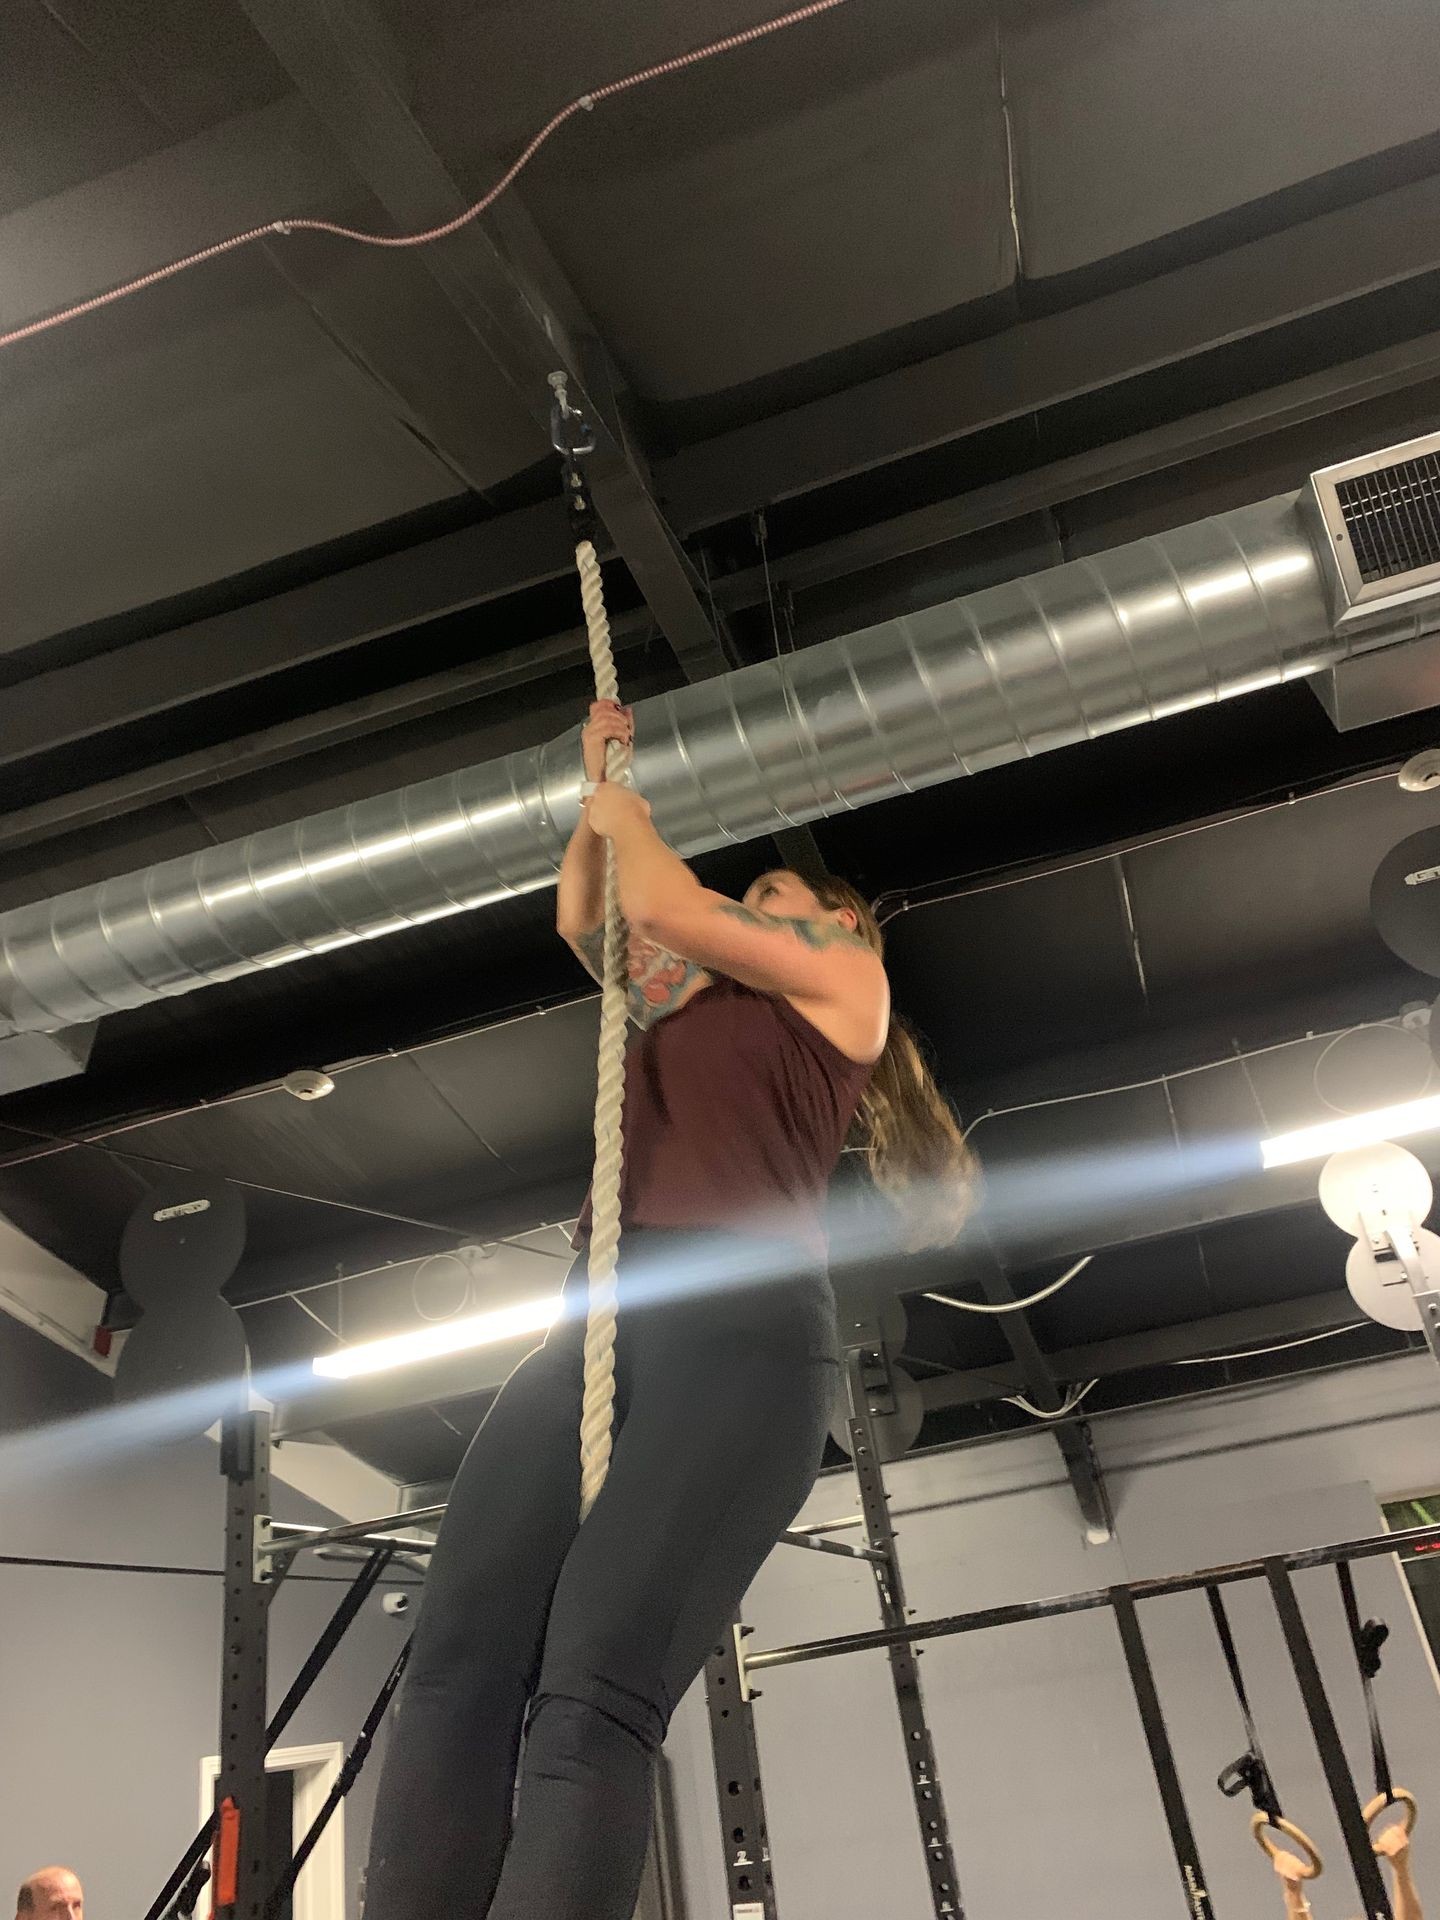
[(919, 1158)]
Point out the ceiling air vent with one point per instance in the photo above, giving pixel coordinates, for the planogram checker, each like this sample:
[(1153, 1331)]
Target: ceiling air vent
[(1381, 520)]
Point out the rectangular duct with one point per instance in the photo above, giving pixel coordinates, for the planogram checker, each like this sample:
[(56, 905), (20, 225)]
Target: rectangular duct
[(37, 1059), (1380, 518)]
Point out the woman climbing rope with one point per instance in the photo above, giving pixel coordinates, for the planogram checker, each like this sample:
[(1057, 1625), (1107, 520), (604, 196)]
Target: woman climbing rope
[(765, 1031)]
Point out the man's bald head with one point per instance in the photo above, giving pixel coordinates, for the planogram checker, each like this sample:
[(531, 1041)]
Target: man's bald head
[(53, 1893)]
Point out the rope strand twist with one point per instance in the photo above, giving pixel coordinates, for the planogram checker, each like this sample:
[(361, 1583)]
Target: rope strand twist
[(597, 1414)]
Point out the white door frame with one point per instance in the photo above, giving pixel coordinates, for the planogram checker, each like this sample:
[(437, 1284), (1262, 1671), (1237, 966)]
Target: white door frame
[(320, 1890)]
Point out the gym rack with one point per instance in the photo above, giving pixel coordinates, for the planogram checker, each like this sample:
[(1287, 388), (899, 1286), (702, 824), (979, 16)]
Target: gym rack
[(260, 1550)]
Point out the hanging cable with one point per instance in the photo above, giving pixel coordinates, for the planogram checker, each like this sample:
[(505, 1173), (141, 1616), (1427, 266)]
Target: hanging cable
[(1072, 1400), (1280, 1346), (282, 227), (1013, 1306)]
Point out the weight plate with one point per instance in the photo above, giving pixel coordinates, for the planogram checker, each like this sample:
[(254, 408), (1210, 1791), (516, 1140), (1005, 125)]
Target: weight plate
[(1405, 900), (1392, 1174), (185, 1238), (194, 1358)]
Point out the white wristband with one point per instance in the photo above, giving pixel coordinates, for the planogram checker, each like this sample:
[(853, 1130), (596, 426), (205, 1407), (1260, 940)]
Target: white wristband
[(587, 787)]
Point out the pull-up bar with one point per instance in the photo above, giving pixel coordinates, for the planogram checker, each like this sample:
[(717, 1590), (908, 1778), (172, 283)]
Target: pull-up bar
[(1007, 1616), (289, 1537)]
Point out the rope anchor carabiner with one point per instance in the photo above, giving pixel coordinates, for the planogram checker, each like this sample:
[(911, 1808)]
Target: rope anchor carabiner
[(572, 437), (571, 433)]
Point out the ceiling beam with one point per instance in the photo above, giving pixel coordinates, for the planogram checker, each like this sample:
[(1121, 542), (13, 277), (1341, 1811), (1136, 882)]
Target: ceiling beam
[(397, 328), (530, 545), (1161, 1346), (289, 629), (310, 733), (74, 245), (1322, 263), (1045, 1389), (523, 316), (1112, 463)]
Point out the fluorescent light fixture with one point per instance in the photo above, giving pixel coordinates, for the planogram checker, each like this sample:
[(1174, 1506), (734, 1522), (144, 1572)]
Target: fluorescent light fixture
[(451, 1336), (1351, 1130)]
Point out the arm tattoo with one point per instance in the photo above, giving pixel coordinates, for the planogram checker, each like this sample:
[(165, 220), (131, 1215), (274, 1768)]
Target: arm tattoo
[(659, 980), (591, 949), (816, 934)]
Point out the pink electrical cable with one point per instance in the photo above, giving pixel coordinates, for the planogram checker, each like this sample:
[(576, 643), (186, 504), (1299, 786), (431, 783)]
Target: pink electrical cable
[(281, 227)]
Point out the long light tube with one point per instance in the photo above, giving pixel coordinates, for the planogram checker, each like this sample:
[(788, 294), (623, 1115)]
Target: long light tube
[(1351, 1130), (451, 1336)]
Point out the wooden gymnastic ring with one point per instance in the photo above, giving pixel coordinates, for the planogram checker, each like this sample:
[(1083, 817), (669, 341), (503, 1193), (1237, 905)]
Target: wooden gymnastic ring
[(1260, 1825), (1399, 1797)]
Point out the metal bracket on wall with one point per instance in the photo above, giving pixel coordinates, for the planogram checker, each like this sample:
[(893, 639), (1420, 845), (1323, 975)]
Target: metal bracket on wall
[(728, 1698), (870, 1389), (262, 1556)]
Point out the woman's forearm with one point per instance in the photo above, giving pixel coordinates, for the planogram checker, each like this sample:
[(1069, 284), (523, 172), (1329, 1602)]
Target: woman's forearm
[(580, 890), (655, 883), (1407, 1894)]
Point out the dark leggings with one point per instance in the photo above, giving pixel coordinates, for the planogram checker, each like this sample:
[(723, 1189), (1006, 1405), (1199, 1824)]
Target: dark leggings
[(586, 1637)]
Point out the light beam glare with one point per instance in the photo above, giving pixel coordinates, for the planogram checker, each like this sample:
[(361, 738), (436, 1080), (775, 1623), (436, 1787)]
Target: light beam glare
[(76, 1446)]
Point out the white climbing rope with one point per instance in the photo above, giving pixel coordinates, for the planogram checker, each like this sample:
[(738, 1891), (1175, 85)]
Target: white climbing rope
[(598, 1407)]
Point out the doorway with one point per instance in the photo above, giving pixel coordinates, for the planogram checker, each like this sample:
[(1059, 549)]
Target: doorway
[(297, 1779)]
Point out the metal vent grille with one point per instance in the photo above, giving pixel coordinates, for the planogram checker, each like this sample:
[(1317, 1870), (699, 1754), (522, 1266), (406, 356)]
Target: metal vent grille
[(1378, 525), (1392, 517)]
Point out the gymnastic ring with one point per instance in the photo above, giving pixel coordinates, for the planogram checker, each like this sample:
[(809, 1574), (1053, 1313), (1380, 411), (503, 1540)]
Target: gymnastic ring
[(1260, 1825), (1399, 1797)]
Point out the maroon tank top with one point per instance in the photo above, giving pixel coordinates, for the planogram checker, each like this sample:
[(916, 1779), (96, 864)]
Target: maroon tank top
[(736, 1111)]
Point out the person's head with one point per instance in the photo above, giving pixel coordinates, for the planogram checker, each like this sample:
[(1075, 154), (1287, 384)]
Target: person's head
[(919, 1158), (53, 1893)]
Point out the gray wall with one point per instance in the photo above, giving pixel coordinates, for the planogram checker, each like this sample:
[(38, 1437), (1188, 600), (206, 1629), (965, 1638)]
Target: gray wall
[(1051, 1800), (110, 1682)]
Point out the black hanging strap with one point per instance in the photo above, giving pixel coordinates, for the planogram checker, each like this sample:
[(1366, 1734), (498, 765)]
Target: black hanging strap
[(1367, 1641), (348, 1775), (1249, 1774), (1162, 1756)]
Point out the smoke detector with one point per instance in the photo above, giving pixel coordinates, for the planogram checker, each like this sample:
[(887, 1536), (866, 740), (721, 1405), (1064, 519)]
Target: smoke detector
[(308, 1083), (1421, 772)]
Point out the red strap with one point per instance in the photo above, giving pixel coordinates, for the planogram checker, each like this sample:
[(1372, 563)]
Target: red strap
[(227, 1855)]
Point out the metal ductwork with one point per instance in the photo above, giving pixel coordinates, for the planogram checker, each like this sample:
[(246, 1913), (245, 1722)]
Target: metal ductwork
[(1238, 602)]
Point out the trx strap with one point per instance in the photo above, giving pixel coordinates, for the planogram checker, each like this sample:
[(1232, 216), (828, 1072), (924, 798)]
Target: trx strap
[(1249, 1774), (1162, 1756), (345, 1780), (1367, 1641)]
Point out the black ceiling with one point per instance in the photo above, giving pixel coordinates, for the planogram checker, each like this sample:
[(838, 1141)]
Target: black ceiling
[(950, 293)]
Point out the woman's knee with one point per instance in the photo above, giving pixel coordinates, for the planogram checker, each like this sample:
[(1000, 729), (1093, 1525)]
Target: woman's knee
[(594, 1708)]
